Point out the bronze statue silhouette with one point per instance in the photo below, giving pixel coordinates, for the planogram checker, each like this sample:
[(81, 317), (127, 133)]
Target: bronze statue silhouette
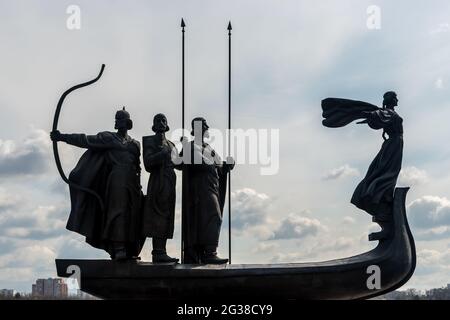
[(203, 197), (375, 193), (111, 168), (159, 206), (204, 190)]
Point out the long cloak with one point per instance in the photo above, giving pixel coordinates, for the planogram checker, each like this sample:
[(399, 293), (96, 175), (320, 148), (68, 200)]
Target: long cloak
[(110, 167), (159, 206), (204, 191)]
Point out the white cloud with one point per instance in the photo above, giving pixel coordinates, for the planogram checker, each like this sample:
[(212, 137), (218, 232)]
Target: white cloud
[(339, 244), (433, 257), (249, 208), (430, 261), (28, 157), (411, 176), (262, 231), (250, 217), (8, 200), (297, 227), (441, 28), (341, 172), (29, 256), (7, 245), (439, 83), (348, 220), (288, 257), (41, 223), (266, 248), (321, 248), (429, 212), (21, 267), (432, 234), (251, 214), (432, 270), (74, 246)]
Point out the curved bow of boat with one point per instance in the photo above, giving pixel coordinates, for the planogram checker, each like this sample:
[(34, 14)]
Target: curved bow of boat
[(394, 260), (401, 249)]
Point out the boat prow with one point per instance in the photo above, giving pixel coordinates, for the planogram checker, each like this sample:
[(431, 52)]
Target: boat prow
[(393, 261)]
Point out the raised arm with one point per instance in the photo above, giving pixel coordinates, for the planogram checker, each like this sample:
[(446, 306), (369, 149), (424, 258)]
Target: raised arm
[(380, 118), (339, 112)]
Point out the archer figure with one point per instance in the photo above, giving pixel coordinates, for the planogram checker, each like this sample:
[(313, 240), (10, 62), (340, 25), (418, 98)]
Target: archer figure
[(111, 168)]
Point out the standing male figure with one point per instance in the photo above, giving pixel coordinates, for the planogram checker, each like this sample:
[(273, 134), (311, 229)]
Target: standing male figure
[(203, 197), (111, 168), (159, 207)]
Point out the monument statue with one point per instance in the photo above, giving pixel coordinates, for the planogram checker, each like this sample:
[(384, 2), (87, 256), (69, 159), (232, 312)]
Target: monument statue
[(111, 168), (375, 193), (159, 206), (205, 176), (106, 195)]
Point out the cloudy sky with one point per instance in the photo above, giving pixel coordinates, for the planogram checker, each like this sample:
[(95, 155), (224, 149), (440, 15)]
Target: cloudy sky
[(287, 56)]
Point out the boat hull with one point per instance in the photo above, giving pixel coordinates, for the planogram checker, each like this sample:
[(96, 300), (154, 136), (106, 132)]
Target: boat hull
[(347, 278)]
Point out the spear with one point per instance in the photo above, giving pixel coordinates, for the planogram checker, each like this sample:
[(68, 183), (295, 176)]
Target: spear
[(229, 140), (183, 25), (182, 74)]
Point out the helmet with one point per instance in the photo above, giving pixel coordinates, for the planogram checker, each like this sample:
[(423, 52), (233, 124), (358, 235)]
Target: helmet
[(123, 115)]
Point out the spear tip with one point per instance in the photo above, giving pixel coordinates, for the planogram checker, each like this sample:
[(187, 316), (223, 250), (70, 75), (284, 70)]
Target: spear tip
[(182, 23), (229, 26)]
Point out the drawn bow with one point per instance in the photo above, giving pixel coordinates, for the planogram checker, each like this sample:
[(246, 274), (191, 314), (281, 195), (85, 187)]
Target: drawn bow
[(55, 144)]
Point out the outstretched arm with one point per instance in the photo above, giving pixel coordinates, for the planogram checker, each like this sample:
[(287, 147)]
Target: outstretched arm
[(365, 114), (378, 119), (98, 141)]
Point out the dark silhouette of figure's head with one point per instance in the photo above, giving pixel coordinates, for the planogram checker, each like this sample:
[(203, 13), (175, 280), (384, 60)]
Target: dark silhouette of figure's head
[(160, 123), (199, 125), (390, 100), (123, 120)]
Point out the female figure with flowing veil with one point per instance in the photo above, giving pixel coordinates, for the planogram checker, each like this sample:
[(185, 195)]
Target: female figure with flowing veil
[(374, 194)]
